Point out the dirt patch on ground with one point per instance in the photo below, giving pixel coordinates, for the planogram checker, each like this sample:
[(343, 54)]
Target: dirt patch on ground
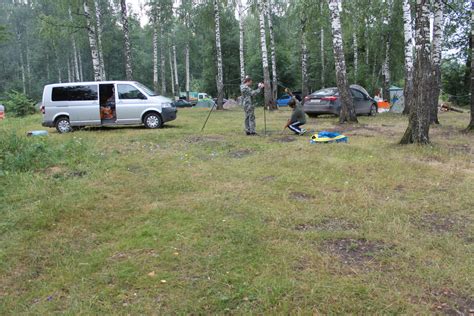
[(439, 224), (357, 253), (269, 178), (363, 130), (300, 196), (284, 139), (57, 172), (330, 224), (449, 302), (240, 153), (460, 149), (203, 139)]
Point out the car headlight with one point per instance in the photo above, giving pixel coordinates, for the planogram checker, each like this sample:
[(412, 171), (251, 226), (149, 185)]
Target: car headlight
[(166, 105)]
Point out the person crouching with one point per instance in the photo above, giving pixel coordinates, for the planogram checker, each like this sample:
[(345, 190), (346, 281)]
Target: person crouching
[(298, 117)]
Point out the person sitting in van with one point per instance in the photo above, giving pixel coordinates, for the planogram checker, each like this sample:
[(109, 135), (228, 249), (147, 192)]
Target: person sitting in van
[(108, 111)]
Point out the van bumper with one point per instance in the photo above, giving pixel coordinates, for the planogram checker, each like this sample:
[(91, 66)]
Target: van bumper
[(48, 124), (169, 114)]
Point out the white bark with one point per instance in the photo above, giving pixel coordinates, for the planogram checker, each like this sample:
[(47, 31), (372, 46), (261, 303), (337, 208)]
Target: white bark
[(347, 107), (263, 46), (355, 48), (92, 43), (162, 63), (272, 50), (155, 56), (304, 62), (176, 81), (77, 76), (323, 63), (241, 41), (126, 37), (69, 72), (188, 79), (220, 74), (171, 71), (98, 17), (408, 37), (79, 61), (386, 63)]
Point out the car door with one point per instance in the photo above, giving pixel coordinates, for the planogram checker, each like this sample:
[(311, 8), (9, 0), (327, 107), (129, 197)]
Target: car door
[(79, 101), (131, 103), (359, 101)]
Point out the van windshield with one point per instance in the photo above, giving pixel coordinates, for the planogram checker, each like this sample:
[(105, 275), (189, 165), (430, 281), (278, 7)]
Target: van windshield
[(146, 89)]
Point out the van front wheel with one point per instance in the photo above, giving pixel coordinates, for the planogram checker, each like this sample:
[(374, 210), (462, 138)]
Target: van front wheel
[(63, 125), (153, 120)]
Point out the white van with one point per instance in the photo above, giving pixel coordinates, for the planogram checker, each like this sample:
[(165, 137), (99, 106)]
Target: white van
[(77, 104)]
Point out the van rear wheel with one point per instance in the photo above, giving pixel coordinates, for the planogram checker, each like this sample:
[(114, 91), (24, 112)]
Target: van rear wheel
[(63, 125), (153, 120)]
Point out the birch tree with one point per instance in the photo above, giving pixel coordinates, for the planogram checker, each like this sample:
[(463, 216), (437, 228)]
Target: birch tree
[(92, 42), (268, 102), (470, 127), (170, 58), (419, 118), (126, 38), (268, 12), (176, 81), (240, 12), (386, 63), (347, 113), (220, 74), (408, 36), (304, 56), (77, 76), (98, 20), (436, 58), (154, 23), (162, 61)]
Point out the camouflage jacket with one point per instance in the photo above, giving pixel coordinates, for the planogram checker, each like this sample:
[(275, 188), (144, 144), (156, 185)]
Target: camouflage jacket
[(247, 94)]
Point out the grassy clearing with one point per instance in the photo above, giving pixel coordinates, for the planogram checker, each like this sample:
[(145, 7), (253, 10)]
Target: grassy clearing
[(129, 220)]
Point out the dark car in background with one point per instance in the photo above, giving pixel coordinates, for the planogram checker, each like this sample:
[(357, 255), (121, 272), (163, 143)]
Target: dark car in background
[(181, 103), (327, 101)]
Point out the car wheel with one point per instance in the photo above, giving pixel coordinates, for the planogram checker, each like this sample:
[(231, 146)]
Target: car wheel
[(153, 120), (373, 110), (63, 125)]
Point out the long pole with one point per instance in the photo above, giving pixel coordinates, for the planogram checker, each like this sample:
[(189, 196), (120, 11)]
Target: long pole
[(212, 108)]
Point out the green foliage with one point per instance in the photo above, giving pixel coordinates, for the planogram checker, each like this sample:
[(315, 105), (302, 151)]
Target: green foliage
[(18, 104), (4, 34), (23, 154), (455, 88)]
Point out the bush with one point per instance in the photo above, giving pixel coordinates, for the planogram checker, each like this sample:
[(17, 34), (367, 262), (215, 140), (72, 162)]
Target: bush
[(18, 104), (23, 154)]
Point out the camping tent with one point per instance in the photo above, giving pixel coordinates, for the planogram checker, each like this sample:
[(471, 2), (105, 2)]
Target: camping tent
[(208, 103), (2, 112), (397, 100)]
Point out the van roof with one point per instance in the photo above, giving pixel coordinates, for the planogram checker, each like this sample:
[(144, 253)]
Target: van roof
[(87, 83)]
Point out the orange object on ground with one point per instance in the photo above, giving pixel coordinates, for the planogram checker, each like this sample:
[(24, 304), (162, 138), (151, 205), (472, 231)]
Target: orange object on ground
[(2, 115), (383, 104)]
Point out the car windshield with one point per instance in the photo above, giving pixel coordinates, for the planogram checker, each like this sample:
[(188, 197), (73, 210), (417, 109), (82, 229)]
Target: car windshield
[(325, 92), (146, 89)]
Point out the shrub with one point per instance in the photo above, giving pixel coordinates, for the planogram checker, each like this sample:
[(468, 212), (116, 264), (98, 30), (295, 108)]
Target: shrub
[(18, 104)]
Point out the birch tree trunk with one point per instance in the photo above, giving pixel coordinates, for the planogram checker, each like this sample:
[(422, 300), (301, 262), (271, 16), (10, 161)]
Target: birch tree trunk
[(98, 17), (176, 81), (419, 118), (171, 71), (367, 41), (77, 76), (155, 54), (268, 102), (162, 63), (272, 52), (304, 60), (438, 21), (79, 61), (323, 63), (386, 63), (92, 43), (188, 79), (69, 72), (126, 37), (408, 35), (241, 41), (356, 54), (470, 127), (220, 75), (347, 113)]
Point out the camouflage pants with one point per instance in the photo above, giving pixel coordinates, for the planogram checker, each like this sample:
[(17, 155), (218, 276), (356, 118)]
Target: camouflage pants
[(249, 119)]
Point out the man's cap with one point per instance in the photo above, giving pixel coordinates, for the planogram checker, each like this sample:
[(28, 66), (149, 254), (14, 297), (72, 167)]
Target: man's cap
[(247, 79)]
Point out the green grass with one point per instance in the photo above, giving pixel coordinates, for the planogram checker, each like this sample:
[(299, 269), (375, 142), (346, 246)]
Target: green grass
[(91, 222)]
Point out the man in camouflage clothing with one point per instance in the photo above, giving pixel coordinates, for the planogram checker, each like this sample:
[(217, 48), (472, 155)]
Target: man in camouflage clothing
[(246, 102)]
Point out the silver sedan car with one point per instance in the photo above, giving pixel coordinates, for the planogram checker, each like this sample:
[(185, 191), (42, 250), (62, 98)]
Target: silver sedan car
[(327, 101)]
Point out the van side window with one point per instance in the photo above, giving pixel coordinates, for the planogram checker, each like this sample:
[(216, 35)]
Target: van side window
[(126, 91), (75, 93)]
